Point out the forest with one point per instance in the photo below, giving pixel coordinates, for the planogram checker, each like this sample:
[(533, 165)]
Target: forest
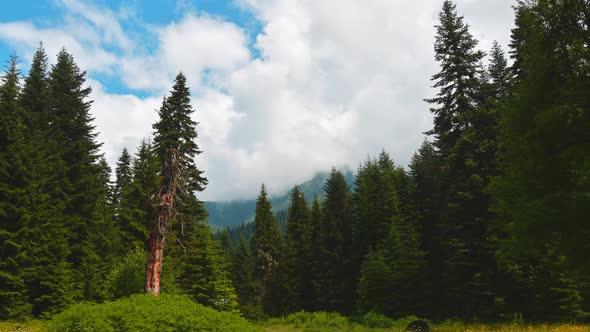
[(488, 223)]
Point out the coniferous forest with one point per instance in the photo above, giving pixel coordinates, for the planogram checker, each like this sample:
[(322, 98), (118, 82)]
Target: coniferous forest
[(489, 222)]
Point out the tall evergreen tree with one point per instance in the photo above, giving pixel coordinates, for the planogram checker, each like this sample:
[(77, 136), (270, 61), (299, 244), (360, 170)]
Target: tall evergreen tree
[(76, 144), (293, 286), (428, 196), (336, 280), (205, 274), (464, 132), (544, 186), (13, 215), (315, 262), (136, 211), (243, 279), (48, 274), (123, 177), (541, 193), (176, 129), (266, 244)]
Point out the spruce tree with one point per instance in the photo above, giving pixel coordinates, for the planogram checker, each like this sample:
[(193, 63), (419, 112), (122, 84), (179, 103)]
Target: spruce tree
[(242, 274), (545, 130), (544, 160), (292, 286), (123, 177), (136, 211), (428, 197), (315, 262), (13, 292), (176, 129), (266, 244), (336, 281), (76, 144), (298, 239), (205, 275), (48, 274), (465, 132)]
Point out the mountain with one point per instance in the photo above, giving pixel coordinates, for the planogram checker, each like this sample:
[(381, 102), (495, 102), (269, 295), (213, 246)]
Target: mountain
[(225, 214)]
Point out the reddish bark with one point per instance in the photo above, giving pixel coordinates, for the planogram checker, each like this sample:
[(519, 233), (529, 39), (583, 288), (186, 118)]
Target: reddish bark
[(165, 215)]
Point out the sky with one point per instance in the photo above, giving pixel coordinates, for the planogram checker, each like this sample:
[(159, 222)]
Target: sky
[(281, 89)]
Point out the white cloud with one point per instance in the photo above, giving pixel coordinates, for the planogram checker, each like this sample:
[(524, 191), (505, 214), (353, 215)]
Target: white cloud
[(337, 80), (121, 120), (89, 55)]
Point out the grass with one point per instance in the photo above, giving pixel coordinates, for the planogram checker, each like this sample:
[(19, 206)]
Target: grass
[(177, 313)]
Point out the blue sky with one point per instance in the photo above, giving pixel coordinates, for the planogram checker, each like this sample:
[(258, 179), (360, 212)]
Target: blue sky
[(282, 89), (137, 18)]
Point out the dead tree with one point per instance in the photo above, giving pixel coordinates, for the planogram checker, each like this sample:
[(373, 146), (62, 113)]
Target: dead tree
[(165, 214)]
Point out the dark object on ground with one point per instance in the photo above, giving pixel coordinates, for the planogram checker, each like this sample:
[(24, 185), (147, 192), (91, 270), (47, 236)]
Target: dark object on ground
[(418, 326)]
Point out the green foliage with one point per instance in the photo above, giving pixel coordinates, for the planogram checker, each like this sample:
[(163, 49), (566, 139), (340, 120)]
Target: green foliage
[(320, 319), (335, 280), (147, 313), (127, 276), (374, 319), (266, 245), (136, 211), (204, 275)]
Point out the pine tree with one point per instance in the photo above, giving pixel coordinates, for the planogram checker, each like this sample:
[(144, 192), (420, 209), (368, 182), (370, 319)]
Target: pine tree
[(428, 197), (123, 177), (544, 157), (47, 273), (243, 279), (204, 274), (544, 185), (35, 96), (76, 144), (13, 215), (266, 245), (375, 203), (136, 211), (499, 73), (336, 280), (315, 262), (292, 286), (465, 131), (176, 129)]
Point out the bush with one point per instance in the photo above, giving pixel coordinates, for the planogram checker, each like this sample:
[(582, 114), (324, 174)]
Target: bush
[(373, 319), (304, 319), (147, 313), (376, 320)]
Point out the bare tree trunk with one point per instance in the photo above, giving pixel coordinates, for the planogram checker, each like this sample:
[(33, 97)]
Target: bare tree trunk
[(165, 214)]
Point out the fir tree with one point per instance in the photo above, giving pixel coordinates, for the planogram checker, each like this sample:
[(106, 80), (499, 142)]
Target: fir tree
[(315, 262), (428, 197), (123, 177), (266, 245), (176, 129), (48, 275), (243, 279), (76, 144), (204, 274), (136, 211), (336, 280), (464, 132), (13, 292)]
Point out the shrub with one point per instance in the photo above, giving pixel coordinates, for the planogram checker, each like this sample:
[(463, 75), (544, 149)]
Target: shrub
[(373, 319), (147, 313), (323, 319)]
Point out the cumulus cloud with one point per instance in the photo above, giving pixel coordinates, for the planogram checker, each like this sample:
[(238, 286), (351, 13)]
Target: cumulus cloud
[(336, 80), (122, 120)]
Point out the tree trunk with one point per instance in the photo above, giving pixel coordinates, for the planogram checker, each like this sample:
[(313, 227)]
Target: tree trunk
[(165, 215)]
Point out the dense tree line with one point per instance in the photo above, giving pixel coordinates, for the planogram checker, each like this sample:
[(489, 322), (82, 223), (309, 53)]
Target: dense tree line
[(489, 219), (68, 234)]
